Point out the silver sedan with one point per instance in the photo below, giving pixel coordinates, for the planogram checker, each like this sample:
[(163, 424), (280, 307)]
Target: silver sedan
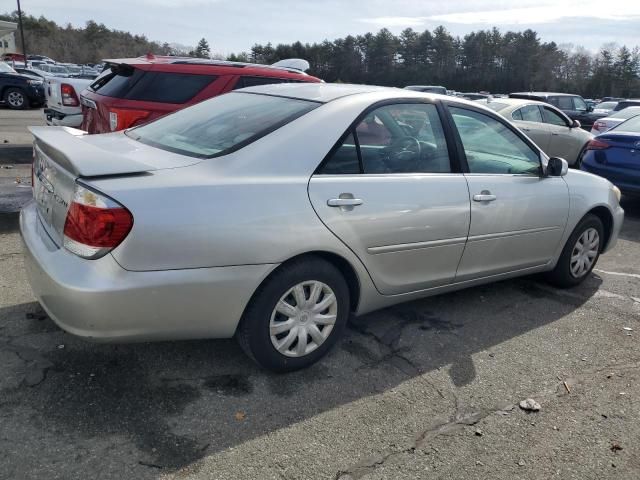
[(555, 133), (273, 213)]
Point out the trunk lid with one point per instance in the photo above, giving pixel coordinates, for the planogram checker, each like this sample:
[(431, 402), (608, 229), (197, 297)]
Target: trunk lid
[(63, 155)]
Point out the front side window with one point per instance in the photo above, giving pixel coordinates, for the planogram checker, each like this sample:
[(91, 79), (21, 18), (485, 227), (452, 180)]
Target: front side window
[(579, 104), (399, 138), (491, 147), (553, 118), (530, 113), (221, 124)]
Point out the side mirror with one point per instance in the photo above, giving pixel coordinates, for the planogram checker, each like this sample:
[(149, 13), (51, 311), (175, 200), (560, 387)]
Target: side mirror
[(590, 109), (557, 167), (576, 124)]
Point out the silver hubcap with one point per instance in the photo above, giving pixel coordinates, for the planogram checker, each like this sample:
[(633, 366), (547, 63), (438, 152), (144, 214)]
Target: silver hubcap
[(303, 318), (585, 252), (15, 99)]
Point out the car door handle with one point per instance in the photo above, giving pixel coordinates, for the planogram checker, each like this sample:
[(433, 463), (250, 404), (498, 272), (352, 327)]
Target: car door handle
[(526, 129), (484, 197), (555, 134), (344, 202)]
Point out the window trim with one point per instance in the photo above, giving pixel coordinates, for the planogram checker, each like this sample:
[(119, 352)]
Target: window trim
[(462, 154), (454, 162)]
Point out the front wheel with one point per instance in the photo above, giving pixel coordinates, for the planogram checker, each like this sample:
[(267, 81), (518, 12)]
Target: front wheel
[(16, 99), (580, 253), (296, 316)]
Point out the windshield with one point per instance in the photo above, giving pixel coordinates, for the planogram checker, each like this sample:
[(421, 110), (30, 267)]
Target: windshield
[(632, 125), (222, 124), (627, 113), (4, 68)]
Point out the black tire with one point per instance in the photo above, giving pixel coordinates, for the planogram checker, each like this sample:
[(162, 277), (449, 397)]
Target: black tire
[(253, 333), (561, 275), (10, 99)]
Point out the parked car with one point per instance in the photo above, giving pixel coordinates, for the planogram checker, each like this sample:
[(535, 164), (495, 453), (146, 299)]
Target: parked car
[(615, 155), (63, 100), (475, 96), (555, 133), (607, 123), (428, 89), (571, 105), (604, 108), (622, 104), (19, 91), (53, 70), (138, 90), (272, 213)]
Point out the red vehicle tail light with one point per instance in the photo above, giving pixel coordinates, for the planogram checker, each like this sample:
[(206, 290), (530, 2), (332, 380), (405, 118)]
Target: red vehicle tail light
[(95, 224), (121, 118), (69, 96), (596, 144), (599, 126)]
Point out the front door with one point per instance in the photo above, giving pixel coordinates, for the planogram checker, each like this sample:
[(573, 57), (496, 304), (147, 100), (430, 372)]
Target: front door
[(517, 215), (388, 191), (564, 143)]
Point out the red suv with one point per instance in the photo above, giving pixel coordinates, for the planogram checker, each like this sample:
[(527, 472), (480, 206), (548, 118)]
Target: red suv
[(137, 90)]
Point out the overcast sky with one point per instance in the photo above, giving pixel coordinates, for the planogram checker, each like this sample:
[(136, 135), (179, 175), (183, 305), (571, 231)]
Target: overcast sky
[(235, 25)]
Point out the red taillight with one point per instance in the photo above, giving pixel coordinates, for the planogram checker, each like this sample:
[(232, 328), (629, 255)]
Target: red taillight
[(596, 144), (95, 224), (121, 118), (69, 96)]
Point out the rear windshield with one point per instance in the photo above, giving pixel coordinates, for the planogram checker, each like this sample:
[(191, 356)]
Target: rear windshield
[(221, 125), (632, 125), (606, 105), (135, 84), (626, 113)]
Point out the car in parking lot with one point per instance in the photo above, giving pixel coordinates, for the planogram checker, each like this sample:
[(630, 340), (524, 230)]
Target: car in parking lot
[(573, 106), (138, 90), (428, 89), (19, 91), (604, 108), (272, 213), (622, 104), (555, 133), (616, 118), (615, 155)]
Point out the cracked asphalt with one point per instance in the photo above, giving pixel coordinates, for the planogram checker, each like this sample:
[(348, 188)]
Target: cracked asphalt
[(427, 389)]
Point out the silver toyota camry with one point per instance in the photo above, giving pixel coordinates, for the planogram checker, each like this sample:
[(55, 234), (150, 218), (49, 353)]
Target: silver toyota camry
[(273, 213)]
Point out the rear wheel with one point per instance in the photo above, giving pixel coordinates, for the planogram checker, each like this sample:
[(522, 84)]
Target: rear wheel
[(296, 316), (16, 99), (580, 253)]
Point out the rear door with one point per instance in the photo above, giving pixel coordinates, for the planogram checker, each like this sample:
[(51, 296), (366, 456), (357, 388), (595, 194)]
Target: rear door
[(390, 192), (517, 216), (528, 118)]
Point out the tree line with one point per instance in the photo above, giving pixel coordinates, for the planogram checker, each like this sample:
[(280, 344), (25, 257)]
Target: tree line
[(485, 60)]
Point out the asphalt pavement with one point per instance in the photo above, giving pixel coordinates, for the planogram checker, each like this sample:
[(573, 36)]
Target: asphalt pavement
[(427, 389)]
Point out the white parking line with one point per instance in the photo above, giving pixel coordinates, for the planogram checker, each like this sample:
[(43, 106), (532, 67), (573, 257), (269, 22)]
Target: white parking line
[(621, 274)]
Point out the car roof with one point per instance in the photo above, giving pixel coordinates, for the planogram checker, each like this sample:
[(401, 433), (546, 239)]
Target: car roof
[(327, 92), (545, 94), (171, 60), (513, 101)]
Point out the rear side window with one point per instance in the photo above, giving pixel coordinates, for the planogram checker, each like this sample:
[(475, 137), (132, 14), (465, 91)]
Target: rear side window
[(244, 81), (168, 87), (221, 124), (165, 87)]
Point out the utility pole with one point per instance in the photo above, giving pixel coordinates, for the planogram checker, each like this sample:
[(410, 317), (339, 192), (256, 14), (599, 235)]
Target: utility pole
[(24, 48)]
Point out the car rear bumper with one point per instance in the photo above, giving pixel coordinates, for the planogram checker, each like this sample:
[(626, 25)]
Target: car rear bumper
[(99, 300), (61, 119)]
